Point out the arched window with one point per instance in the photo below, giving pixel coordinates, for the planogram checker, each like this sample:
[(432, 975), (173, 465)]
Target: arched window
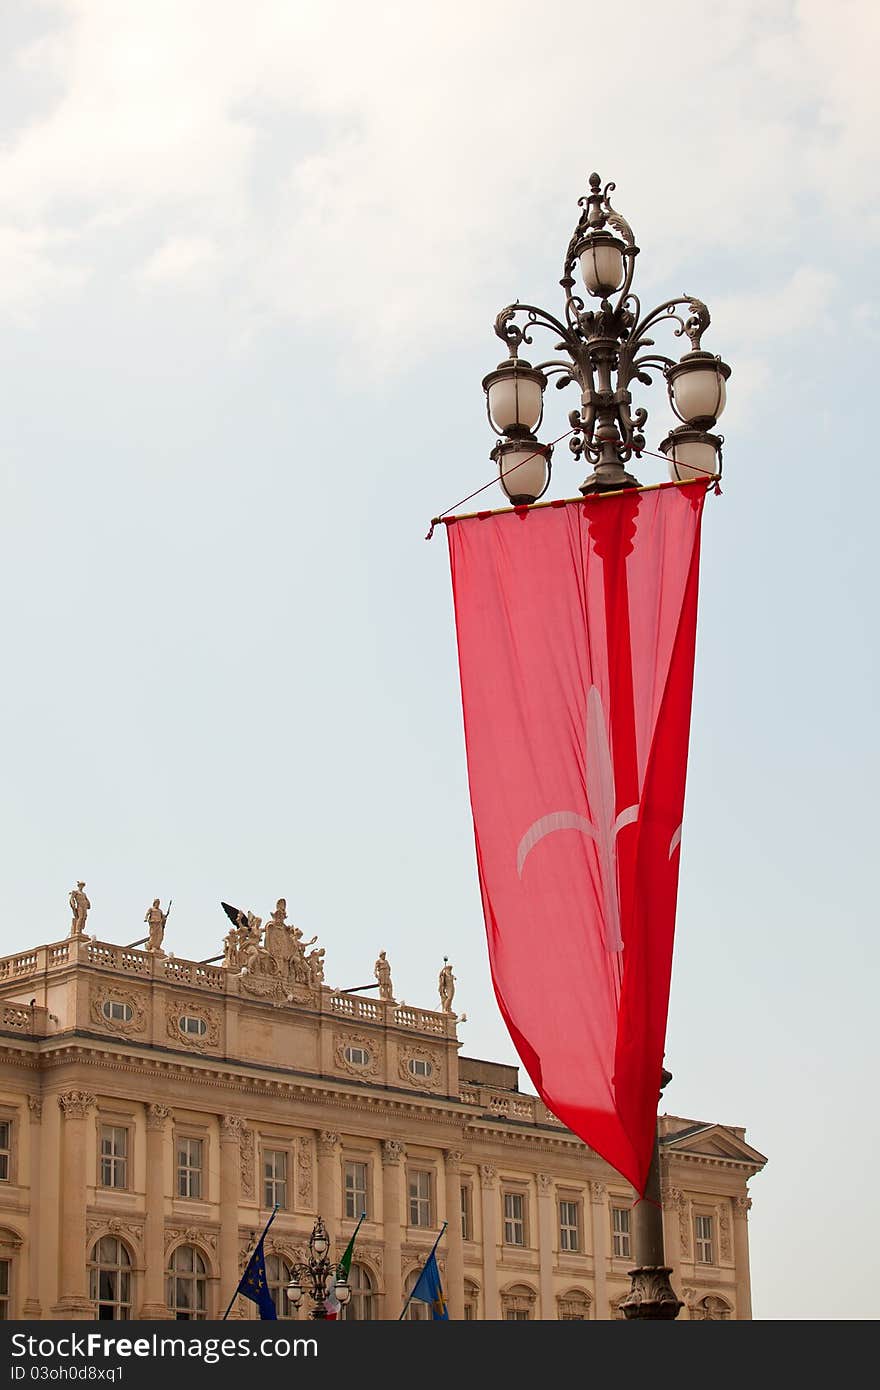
[(110, 1279), (361, 1307), (471, 1301), (418, 1310), (573, 1306), (278, 1277), (518, 1303), (187, 1292), (710, 1309)]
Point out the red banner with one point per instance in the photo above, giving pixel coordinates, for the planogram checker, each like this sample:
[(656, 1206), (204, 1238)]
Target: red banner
[(576, 626)]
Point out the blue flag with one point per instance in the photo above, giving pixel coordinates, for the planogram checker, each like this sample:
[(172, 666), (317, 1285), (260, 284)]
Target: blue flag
[(253, 1284), (428, 1289)]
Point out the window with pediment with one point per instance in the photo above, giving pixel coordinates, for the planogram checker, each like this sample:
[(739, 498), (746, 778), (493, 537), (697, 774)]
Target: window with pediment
[(110, 1279)]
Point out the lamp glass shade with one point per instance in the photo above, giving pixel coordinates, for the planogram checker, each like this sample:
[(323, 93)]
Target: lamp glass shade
[(320, 1245), (700, 394), (295, 1293), (602, 266), (690, 459), (524, 473), (515, 401), (343, 1292)]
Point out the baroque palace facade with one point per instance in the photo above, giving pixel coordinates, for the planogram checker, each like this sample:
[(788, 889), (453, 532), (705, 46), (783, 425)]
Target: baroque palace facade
[(153, 1110)]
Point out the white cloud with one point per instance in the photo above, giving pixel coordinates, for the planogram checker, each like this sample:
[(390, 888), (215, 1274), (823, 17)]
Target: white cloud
[(390, 164)]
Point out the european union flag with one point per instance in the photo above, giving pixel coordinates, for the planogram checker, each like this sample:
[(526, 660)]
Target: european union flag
[(253, 1284), (428, 1289)]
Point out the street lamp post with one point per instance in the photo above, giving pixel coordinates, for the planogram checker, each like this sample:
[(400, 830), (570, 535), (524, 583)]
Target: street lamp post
[(606, 349), (316, 1275)]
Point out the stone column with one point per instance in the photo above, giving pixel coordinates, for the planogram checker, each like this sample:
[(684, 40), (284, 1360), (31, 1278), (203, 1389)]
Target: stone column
[(154, 1305), (73, 1295), (546, 1232), (741, 1208), (489, 1195), (230, 1181), (454, 1241), (329, 1184), (599, 1218), (393, 1154), (32, 1307)]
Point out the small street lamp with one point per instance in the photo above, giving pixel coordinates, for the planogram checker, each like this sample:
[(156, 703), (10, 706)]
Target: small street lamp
[(318, 1275), (606, 349)]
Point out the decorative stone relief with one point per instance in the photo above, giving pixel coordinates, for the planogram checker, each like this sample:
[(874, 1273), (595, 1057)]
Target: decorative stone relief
[(343, 1040), (545, 1184), (679, 1201), (35, 1106), (393, 1151), (598, 1191), (192, 1008), (304, 1171), (230, 1128), (111, 1226), (157, 1115), (452, 1158), (724, 1231), (327, 1142), (488, 1174), (76, 1104), (246, 1142), (191, 1235), (741, 1207), (101, 994), (412, 1052)]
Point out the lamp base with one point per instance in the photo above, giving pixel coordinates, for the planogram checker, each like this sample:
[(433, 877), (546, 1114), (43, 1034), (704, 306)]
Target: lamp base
[(651, 1295), (606, 479)]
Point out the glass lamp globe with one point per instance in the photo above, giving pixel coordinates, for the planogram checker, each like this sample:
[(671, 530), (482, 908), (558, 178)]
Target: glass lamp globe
[(524, 469), (698, 387), (692, 454), (602, 266), (515, 397)]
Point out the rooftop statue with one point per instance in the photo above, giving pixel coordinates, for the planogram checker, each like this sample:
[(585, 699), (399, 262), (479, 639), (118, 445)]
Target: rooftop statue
[(79, 906)]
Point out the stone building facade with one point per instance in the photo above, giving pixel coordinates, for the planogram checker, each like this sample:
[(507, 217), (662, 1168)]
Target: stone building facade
[(153, 1110)]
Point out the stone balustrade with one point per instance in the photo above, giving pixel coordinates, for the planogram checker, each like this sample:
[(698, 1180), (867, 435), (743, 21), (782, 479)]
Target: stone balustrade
[(506, 1105)]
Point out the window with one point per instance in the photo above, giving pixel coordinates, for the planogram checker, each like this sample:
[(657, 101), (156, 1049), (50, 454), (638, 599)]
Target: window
[(5, 1270), (514, 1218), (5, 1150), (187, 1287), (189, 1024), (358, 1056), (275, 1178), (114, 1156), (418, 1310), (620, 1233), (467, 1224), (361, 1307), (420, 1198), (355, 1190), (703, 1240), (419, 1067), (117, 1012), (278, 1273), (569, 1236), (189, 1166), (110, 1280)]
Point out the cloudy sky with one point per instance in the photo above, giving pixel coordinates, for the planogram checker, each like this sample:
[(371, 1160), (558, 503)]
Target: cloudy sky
[(249, 263)]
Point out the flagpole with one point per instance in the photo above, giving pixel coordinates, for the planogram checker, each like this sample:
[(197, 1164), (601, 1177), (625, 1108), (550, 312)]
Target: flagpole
[(433, 1248), (275, 1211)]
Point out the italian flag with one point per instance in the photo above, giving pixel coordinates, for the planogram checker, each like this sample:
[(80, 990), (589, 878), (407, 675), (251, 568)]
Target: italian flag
[(331, 1302)]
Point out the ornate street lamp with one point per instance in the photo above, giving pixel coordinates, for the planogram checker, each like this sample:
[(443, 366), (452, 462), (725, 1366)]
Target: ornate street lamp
[(315, 1277), (607, 348)]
